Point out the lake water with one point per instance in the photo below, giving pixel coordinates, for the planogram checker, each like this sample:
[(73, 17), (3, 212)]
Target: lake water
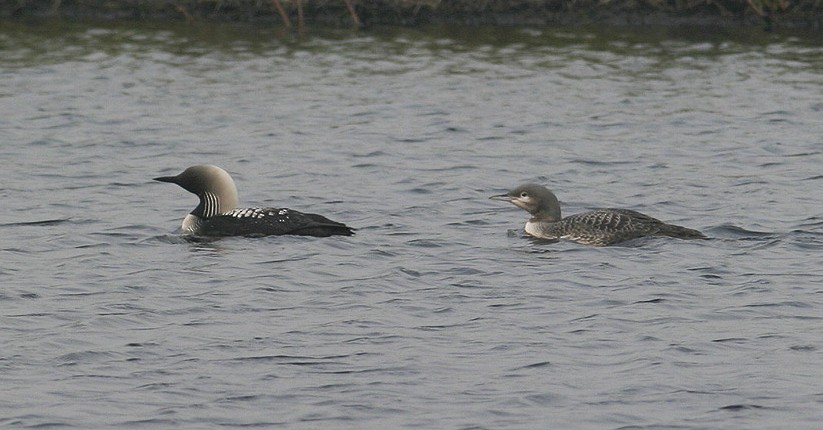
[(439, 313)]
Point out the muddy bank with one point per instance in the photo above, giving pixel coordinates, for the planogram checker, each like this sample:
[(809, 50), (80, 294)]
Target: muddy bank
[(765, 13)]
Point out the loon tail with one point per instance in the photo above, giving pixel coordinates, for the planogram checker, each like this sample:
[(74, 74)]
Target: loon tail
[(325, 230), (323, 227), (680, 232)]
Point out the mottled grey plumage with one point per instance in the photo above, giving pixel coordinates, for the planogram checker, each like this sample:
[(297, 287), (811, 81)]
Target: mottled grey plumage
[(217, 215), (599, 227)]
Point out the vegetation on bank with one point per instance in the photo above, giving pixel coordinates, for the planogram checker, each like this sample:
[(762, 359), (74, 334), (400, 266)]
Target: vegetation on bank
[(794, 13)]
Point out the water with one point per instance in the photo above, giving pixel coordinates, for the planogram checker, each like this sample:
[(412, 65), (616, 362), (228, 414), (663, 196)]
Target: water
[(438, 313)]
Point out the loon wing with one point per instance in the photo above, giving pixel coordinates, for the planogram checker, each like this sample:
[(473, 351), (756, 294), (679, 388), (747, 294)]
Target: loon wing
[(272, 222), (609, 226), (613, 220)]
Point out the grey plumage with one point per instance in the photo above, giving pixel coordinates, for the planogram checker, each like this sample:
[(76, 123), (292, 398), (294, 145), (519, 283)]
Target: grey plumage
[(599, 227), (218, 215)]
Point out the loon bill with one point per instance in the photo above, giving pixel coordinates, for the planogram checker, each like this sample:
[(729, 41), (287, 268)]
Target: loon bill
[(218, 215), (599, 227)]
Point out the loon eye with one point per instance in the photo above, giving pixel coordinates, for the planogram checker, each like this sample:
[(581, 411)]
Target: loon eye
[(524, 194)]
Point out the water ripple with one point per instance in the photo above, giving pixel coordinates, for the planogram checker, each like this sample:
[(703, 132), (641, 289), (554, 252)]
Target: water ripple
[(440, 312)]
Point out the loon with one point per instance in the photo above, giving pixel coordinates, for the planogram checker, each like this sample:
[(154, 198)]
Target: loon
[(600, 227), (218, 215)]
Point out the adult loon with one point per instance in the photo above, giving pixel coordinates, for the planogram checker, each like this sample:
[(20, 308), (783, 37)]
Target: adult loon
[(217, 214), (600, 227)]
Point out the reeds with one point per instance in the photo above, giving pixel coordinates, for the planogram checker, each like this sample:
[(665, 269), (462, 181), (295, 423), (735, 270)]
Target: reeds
[(408, 12)]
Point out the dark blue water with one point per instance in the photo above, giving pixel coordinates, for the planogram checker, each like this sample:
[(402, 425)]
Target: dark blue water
[(439, 313)]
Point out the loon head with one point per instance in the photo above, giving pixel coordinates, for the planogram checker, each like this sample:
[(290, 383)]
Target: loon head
[(534, 199), (213, 185)]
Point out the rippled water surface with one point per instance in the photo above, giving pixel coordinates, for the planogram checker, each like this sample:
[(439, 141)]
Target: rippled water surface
[(439, 313)]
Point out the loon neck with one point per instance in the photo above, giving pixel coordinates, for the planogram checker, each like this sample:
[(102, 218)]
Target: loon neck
[(545, 216), (212, 205), (545, 207)]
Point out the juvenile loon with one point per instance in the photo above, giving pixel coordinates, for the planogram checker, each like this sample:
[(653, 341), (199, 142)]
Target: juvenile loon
[(217, 214), (599, 227)]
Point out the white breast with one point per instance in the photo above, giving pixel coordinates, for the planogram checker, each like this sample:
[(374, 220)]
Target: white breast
[(191, 224), (533, 229)]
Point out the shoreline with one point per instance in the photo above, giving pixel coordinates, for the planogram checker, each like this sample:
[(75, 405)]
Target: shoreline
[(767, 14)]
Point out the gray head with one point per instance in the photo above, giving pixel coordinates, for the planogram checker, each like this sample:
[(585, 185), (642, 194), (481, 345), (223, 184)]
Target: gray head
[(535, 199), (213, 185)]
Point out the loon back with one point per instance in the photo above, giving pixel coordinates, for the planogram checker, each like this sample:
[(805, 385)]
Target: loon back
[(610, 226), (271, 222)]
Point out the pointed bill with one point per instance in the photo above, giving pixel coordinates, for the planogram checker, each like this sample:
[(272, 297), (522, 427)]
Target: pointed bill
[(502, 197)]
